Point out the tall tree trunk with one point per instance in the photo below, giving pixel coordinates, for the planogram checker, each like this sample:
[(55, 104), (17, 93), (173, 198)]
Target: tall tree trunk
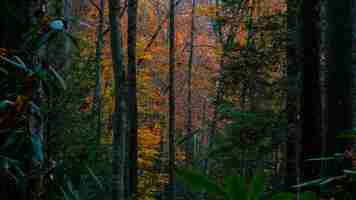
[(171, 129), (354, 64), (132, 99), (339, 51), (311, 99), (190, 67), (323, 93), (97, 94), (118, 163), (292, 96), (219, 90)]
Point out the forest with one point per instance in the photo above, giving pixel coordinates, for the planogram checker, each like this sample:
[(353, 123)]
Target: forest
[(178, 100)]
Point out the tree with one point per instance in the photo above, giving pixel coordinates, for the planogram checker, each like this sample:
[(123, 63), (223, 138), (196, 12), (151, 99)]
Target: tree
[(171, 89), (339, 73), (190, 67), (292, 96), (97, 93), (118, 163), (311, 98), (132, 99)]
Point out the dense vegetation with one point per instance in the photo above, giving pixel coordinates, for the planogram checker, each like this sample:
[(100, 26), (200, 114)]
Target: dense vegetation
[(199, 99)]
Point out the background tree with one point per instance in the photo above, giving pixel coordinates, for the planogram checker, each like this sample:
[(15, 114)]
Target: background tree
[(119, 150), (172, 112)]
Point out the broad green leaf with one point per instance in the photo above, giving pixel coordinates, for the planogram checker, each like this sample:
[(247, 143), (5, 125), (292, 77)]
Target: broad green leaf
[(257, 186), (236, 188), (66, 196), (283, 196), (308, 196), (73, 40), (199, 182), (98, 182)]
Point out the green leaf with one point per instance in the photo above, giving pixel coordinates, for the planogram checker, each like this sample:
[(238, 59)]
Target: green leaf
[(321, 159), (19, 65), (10, 160), (236, 188), (308, 196), (66, 196), (328, 180), (257, 186), (347, 171), (283, 196), (199, 182), (98, 182), (73, 40), (22, 63), (309, 183), (37, 147), (4, 71), (45, 39), (5, 103), (10, 140), (58, 78)]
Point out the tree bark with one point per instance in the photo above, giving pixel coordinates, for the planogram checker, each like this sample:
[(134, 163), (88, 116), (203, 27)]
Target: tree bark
[(118, 163), (339, 56), (97, 94), (190, 68), (311, 100), (292, 96), (132, 98), (171, 129)]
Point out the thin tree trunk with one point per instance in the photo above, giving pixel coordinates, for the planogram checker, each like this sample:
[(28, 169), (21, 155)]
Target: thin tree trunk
[(132, 98), (354, 64), (190, 67), (216, 103), (323, 94), (118, 163), (97, 95), (171, 129), (67, 10), (292, 97)]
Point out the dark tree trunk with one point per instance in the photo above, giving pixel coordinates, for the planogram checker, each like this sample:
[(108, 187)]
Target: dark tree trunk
[(339, 48), (97, 94), (292, 95), (311, 99), (132, 99), (118, 163)]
